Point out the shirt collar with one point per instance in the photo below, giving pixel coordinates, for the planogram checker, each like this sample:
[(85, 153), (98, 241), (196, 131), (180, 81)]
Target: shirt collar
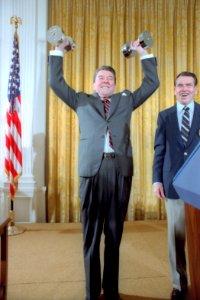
[(106, 98), (180, 106)]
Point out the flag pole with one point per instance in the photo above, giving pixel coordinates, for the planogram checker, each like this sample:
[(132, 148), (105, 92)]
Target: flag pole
[(12, 229)]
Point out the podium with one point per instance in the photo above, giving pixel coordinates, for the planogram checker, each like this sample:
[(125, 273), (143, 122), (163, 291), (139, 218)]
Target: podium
[(187, 185), (187, 180), (192, 216), (4, 257)]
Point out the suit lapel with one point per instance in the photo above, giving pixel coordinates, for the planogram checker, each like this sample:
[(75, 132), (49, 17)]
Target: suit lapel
[(98, 105), (195, 123), (174, 125), (114, 103)]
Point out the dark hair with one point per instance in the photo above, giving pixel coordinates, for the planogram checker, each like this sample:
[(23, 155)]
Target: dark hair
[(107, 68), (188, 74)]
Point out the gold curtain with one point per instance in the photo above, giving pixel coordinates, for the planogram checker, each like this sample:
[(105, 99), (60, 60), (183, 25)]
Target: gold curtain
[(100, 28)]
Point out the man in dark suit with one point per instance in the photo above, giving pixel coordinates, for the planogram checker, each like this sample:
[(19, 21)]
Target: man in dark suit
[(174, 141), (105, 161)]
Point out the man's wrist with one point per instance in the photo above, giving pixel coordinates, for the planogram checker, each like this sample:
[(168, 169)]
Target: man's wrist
[(145, 56), (56, 52), (157, 183)]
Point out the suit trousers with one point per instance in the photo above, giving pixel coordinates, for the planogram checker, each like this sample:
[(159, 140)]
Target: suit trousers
[(104, 203), (176, 242)]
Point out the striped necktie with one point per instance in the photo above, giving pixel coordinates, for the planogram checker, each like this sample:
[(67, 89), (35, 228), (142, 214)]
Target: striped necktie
[(185, 125), (106, 105)]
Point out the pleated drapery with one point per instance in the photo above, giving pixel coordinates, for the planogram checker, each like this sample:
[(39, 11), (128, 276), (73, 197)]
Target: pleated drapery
[(100, 28)]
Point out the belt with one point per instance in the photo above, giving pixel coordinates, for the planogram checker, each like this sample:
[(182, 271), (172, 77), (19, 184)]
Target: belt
[(109, 155)]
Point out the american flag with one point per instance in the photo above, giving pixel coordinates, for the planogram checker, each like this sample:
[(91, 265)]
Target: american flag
[(13, 138)]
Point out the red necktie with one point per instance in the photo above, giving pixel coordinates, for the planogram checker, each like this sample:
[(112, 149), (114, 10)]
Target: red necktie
[(106, 104)]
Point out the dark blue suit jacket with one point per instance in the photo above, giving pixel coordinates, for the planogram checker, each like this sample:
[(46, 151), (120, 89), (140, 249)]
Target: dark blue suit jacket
[(169, 150)]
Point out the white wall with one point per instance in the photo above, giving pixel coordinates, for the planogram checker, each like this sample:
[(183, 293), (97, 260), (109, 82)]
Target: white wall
[(29, 204)]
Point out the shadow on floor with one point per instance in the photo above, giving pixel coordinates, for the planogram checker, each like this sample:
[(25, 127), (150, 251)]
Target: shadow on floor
[(133, 297)]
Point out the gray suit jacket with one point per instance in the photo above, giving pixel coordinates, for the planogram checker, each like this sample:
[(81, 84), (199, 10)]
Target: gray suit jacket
[(92, 122)]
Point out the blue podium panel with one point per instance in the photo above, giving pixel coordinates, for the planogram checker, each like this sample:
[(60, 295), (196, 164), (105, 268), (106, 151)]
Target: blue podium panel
[(187, 180)]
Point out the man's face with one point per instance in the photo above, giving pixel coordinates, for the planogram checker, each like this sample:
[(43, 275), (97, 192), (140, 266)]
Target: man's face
[(185, 89), (104, 83)]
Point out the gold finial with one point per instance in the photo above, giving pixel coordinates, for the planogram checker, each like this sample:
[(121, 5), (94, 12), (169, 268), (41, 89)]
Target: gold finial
[(16, 21)]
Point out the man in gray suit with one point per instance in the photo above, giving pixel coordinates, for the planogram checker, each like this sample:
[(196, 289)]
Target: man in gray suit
[(105, 161), (174, 142)]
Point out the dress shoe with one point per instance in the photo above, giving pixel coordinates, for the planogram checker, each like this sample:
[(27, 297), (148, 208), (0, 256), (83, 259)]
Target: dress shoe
[(112, 298), (178, 295)]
